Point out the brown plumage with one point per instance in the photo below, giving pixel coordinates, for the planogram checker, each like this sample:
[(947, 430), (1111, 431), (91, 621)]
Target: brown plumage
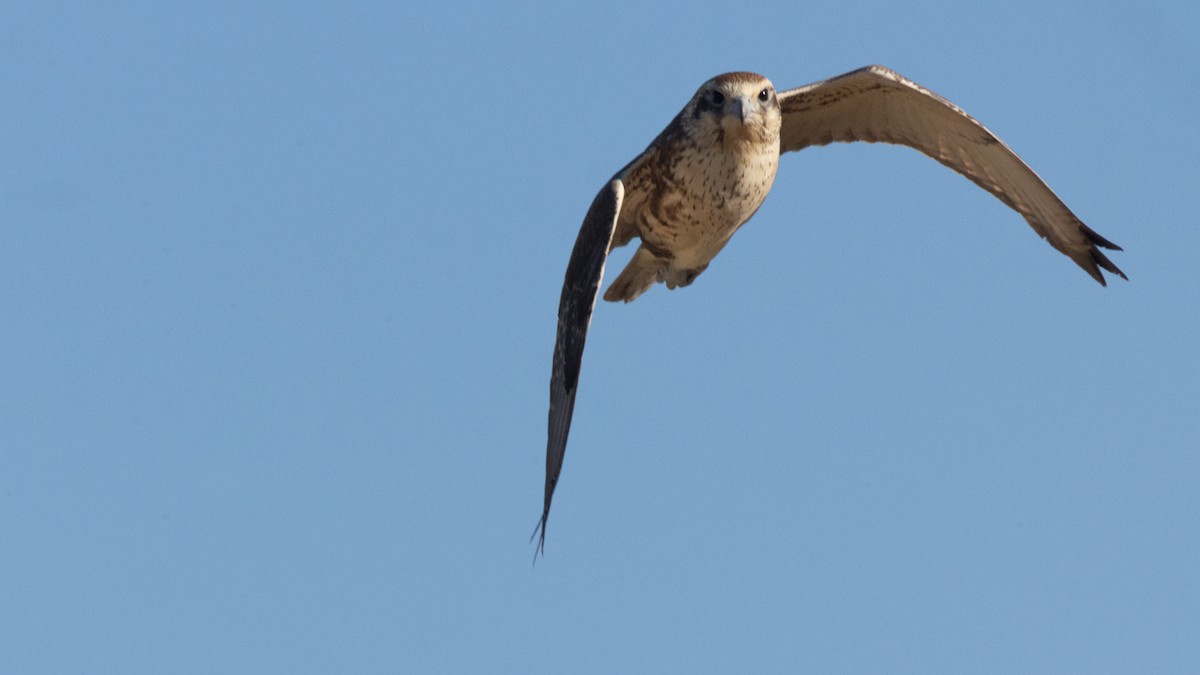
[(708, 172), (704, 176)]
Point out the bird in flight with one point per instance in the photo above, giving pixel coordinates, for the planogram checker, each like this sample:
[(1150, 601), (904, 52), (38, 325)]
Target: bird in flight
[(708, 172)]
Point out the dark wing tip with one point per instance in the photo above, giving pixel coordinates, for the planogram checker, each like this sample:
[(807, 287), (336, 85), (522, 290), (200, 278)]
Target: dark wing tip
[(1097, 257), (540, 528), (581, 285), (1097, 240)]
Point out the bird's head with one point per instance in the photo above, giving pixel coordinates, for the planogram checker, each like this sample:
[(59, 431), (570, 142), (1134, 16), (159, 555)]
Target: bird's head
[(738, 107)]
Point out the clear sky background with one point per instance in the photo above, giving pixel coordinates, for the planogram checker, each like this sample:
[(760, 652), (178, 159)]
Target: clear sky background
[(278, 286)]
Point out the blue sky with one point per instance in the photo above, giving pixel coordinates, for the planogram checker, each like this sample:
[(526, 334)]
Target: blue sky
[(279, 289)]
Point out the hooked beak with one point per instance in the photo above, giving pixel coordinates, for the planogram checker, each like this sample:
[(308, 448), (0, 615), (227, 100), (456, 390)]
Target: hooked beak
[(743, 108)]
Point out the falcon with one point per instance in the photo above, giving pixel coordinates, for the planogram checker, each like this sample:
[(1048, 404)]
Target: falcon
[(708, 172)]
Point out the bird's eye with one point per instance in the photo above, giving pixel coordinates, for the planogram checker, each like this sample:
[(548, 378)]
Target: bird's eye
[(764, 95), (717, 98)]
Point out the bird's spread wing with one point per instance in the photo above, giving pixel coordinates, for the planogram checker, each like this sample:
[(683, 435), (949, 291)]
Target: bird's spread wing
[(875, 104), (584, 273)]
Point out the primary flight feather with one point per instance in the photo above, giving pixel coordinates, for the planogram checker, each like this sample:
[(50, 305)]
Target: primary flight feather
[(708, 172)]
